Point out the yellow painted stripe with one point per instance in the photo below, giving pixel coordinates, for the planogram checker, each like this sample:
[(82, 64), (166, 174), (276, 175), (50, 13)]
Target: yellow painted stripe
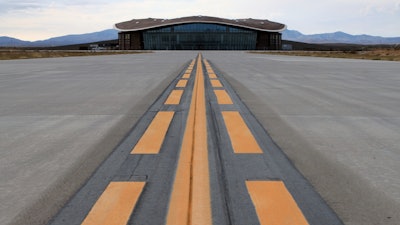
[(223, 97), (274, 204), (153, 137), (241, 137), (186, 75), (174, 98), (115, 205), (201, 202), (181, 83), (178, 212), (212, 75), (190, 198), (216, 83)]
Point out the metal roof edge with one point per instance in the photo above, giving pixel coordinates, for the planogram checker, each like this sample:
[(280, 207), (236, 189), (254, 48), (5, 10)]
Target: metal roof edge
[(191, 21)]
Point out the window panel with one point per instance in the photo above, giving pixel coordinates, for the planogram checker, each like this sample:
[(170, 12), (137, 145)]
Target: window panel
[(197, 36)]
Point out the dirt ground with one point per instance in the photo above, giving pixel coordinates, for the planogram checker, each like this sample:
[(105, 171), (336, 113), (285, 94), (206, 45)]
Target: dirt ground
[(7, 54), (376, 54)]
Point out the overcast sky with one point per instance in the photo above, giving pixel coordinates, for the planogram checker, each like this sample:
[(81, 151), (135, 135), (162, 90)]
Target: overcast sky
[(42, 19)]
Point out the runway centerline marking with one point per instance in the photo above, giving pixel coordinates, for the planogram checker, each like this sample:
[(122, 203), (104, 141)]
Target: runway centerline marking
[(115, 205), (153, 137), (241, 137), (274, 204), (190, 201)]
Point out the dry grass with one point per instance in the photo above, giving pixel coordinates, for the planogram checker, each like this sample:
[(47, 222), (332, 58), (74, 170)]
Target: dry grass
[(8, 54), (376, 54)]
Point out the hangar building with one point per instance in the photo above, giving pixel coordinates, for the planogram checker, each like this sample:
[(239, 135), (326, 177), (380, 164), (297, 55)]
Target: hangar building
[(199, 33)]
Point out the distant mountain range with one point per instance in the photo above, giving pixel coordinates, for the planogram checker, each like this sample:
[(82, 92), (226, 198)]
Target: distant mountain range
[(104, 35), (338, 37), (290, 35)]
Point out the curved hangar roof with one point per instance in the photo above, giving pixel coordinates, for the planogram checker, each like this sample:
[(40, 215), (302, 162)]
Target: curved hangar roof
[(144, 24)]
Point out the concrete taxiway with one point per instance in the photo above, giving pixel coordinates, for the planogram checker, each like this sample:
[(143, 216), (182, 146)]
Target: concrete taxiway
[(197, 156), (61, 117), (337, 121)]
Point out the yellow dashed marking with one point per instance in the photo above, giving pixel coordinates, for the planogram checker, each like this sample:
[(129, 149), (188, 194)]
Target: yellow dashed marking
[(223, 97), (153, 137), (274, 204), (115, 205), (241, 137), (212, 75), (216, 83), (181, 83), (174, 98)]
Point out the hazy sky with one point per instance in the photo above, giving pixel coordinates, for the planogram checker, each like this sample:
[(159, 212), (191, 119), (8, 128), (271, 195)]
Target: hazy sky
[(42, 19)]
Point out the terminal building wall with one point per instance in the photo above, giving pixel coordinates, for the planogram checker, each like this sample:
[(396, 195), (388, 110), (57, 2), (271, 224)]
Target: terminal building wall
[(130, 40), (268, 41), (200, 36)]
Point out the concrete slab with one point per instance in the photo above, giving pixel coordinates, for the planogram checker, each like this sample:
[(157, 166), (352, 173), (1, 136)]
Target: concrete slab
[(338, 120), (231, 165), (61, 117)]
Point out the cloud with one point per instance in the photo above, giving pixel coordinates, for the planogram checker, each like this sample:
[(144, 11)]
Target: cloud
[(9, 5), (40, 19), (382, 8)]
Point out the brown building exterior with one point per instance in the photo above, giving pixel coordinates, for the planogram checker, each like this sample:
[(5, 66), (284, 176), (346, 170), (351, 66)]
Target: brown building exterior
[(200, 33)]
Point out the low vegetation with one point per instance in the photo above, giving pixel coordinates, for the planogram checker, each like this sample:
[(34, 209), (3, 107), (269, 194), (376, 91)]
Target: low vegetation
[(374, 54), (7, 54)]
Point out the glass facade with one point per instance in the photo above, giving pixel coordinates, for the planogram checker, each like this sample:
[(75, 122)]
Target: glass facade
[(199, 36)]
